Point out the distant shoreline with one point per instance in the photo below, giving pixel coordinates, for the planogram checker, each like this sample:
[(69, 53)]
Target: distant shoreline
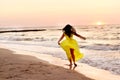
[(25, 30)]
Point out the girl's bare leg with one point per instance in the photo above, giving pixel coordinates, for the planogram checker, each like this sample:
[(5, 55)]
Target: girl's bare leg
[(73, 58), (70, 63)]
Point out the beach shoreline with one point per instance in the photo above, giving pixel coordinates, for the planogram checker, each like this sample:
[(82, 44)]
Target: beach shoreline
[(14, 66), (91, 72)]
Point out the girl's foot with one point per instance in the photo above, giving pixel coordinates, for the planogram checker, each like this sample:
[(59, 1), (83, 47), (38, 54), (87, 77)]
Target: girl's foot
[(70, 66), (75, 65)]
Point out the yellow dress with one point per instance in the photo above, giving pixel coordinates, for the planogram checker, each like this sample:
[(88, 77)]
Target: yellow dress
[(69, 43)]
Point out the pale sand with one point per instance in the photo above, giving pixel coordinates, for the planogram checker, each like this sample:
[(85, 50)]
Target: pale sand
[(19, 67)]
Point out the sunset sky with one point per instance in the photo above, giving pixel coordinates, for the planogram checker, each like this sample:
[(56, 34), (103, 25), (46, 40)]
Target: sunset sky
[(59, 12)]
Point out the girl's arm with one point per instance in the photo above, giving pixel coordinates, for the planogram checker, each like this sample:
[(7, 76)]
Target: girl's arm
[(60, 39), (79, 36), (74, 32)]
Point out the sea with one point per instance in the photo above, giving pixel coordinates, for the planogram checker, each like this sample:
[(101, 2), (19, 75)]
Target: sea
[(101, 48)]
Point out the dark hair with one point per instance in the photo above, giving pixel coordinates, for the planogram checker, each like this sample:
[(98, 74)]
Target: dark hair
[(68, 30)]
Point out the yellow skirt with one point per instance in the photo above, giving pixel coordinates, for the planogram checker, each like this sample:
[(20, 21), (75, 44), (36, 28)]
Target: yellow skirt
[(71, 44)]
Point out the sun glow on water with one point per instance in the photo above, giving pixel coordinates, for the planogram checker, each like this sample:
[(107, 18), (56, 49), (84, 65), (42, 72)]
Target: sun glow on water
[(99, 23)]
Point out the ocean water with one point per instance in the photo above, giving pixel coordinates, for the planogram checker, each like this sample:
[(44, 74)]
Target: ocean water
[(101, 49)]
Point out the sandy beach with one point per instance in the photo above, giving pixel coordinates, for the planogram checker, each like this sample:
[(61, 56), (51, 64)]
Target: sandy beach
[(25, 65), (22, 67)]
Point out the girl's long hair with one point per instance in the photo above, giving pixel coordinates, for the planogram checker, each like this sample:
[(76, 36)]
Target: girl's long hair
[(68, 30)]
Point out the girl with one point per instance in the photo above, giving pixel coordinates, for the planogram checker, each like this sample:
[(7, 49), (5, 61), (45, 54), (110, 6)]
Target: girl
[(70, 45)]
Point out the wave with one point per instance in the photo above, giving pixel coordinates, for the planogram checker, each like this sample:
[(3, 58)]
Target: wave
[(103, 47), (106, 63), (44, 36)]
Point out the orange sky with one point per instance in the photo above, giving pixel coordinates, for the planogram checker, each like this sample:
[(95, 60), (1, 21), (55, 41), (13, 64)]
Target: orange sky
[(59, 12)]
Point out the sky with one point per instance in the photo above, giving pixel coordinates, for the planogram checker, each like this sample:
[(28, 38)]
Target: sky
[(59, 12)]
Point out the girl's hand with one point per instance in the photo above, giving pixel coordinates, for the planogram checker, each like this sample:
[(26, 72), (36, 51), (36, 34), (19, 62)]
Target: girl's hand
[(84, 38), (58, 43), (81, 37)]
